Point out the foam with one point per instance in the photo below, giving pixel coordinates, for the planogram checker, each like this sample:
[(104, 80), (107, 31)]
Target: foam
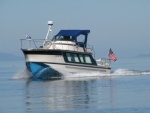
[(23, 74), (117, 72), (130, 72)]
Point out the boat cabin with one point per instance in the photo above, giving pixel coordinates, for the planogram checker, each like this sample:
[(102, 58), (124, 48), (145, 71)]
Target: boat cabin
[(72, 40)]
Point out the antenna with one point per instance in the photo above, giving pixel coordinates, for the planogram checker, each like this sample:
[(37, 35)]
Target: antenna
[(50, 23)]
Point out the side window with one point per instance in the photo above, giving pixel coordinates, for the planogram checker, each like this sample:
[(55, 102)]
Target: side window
[(87, 59), (61, 38), (58, 38), (68, 38), (81, 38), (81, 58), (72, 57), (68, 57), (76, 58)]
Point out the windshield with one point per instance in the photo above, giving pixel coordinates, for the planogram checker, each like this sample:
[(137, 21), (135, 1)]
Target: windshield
[(63, 38)]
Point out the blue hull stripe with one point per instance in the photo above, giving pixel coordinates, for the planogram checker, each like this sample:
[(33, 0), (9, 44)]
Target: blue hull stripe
[(41, 71)]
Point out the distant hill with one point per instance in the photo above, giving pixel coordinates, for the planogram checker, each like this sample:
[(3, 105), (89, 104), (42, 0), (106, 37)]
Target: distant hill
[(9, 57), (142, 55)]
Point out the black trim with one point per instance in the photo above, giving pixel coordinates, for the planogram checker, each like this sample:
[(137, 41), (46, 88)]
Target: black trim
[(50, 52), (42, 52)]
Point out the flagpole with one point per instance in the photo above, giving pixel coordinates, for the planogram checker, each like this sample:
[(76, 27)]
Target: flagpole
[(29, 39)]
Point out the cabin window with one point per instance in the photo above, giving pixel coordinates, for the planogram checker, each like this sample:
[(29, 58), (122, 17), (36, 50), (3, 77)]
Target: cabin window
[(72, 57), (68, 38), (63, 38), (58, 38), (87, 59), (81, 58)]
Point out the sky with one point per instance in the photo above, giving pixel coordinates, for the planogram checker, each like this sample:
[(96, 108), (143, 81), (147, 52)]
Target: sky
[(122, 25)]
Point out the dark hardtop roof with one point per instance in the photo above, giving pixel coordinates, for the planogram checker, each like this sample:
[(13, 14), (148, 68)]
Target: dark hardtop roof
[(73, 33)]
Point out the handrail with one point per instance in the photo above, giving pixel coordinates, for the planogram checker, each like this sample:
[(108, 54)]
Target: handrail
[(33, 43), (103, 61)]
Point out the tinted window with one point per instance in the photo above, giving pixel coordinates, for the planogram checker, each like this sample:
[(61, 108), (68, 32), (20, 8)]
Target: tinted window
[(87, 59), (63, 38), (79, 58), (71, 57)]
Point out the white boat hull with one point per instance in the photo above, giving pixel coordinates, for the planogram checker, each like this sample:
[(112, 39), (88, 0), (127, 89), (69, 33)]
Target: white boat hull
[(47, 66), (47, 70)]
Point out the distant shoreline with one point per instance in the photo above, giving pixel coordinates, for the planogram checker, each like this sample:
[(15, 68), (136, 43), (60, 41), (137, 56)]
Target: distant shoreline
[(10, 57), (143, 56)]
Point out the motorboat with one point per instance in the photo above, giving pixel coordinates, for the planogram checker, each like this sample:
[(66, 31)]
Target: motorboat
[(64, 53)]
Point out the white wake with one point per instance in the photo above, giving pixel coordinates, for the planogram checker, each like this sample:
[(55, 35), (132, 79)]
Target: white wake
[(118, 72), (130, 72), (25, 74)]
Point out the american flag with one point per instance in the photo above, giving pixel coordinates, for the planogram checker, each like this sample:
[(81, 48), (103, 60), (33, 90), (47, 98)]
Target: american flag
[(112, 56)]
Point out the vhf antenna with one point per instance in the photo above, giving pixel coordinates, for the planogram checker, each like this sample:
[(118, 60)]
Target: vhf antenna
[(50, 23)]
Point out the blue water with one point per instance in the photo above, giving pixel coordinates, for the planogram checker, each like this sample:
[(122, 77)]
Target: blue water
[(126, 90)]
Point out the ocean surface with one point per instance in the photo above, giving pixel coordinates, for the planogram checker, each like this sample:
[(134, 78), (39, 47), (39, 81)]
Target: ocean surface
[(125, 90)]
